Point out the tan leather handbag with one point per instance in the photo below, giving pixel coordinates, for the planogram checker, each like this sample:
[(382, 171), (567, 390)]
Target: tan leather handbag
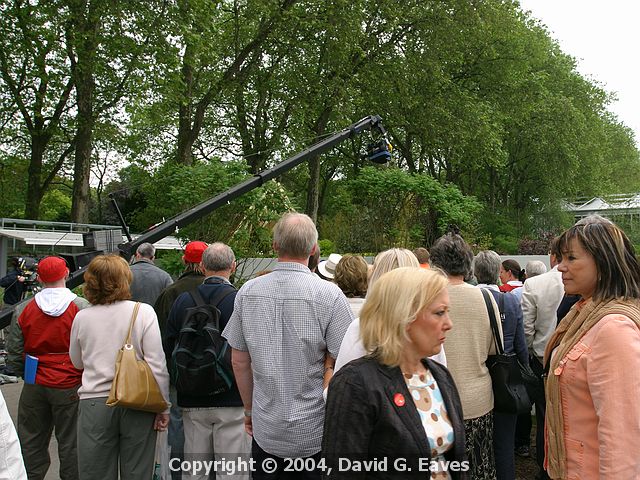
[(134, 385)]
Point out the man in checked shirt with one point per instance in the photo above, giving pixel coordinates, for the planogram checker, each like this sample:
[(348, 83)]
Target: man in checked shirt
[(285, 333)]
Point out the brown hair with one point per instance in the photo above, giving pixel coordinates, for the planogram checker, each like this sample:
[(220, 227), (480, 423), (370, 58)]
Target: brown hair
[(314, 259), (510, 265), (613, 254), (107, 280), (351, 275), (422, 254)]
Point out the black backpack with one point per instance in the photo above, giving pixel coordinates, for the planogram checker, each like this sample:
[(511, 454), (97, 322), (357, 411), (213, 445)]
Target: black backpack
[(202, 358)]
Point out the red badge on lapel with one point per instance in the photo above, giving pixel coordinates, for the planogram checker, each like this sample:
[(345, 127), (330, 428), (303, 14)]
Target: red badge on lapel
[(398, 399)]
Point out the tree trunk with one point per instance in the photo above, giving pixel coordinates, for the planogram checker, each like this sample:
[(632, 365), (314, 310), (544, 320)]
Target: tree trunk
[(185, 110), (84, 139), (86, 33), (34, 183), (313, 187), (82, 168)]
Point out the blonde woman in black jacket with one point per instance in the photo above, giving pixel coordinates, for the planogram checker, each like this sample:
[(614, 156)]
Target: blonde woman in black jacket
[(395, 413)]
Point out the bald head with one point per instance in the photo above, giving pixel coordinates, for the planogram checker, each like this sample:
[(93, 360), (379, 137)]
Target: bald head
[(295, 236)]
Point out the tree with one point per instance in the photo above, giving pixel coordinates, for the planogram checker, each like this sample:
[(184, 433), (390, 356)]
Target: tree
[(106, 45), (201, 81), (82, 33), (34, 74), (475, 95), (244, 224)]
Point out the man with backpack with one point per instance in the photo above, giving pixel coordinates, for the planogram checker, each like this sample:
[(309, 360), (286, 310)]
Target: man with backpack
[(200, 364)]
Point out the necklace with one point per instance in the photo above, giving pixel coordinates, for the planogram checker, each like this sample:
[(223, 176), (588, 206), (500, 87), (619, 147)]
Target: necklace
[(417, 381), (422, 376)]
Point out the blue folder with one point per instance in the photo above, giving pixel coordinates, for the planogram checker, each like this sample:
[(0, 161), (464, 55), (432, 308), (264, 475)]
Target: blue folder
[(30, 368)]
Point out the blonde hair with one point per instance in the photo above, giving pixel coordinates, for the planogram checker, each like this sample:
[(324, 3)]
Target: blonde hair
[(393, 302), (390, 260)]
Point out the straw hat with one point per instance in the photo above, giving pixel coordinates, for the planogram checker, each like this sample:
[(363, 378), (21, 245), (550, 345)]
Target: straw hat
[(327, 268)]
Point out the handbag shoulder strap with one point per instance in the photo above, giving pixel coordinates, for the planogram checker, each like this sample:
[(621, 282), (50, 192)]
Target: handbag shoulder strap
[(133, 320), (497, 339)]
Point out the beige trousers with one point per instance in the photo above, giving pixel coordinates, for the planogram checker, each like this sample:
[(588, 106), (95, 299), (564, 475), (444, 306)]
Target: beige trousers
[(216, 437)]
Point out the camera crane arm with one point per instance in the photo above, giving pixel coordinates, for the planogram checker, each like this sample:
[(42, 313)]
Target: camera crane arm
[(168, 227), (377, 153)]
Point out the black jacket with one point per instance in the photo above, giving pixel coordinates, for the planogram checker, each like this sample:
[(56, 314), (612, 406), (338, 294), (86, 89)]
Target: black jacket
[(13, 289), (208, 290), (363, 421)]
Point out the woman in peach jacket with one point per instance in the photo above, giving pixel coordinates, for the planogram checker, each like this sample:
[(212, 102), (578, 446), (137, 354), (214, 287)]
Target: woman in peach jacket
[(593, 385)]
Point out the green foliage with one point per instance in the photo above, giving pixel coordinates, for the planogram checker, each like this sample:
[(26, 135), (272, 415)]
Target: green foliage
[(327, 247), (35, 88), (79, 291), (245, 224), (170, 261), (56, 206), (174, 188), (13, 185), (631, 226), (502, 230), (390, 207), (491, 122)]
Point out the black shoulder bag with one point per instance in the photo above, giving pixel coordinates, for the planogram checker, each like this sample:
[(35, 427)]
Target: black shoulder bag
[(509, 391)]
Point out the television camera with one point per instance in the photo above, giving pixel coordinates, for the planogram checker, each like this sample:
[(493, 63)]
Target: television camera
[(28, 268)]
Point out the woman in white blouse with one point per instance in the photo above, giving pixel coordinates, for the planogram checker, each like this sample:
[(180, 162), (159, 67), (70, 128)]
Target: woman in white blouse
[(352, 347)]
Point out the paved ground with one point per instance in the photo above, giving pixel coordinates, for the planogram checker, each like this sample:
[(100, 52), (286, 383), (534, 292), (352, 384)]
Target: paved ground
[(11, 393)]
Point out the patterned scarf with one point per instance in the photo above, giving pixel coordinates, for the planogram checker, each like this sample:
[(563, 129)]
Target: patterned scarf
[(572, 328)]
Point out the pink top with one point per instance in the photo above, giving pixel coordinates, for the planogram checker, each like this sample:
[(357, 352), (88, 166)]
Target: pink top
[(600, 392)]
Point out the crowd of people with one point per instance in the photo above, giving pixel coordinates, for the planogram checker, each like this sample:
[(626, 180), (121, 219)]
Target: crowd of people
[(335, 368)]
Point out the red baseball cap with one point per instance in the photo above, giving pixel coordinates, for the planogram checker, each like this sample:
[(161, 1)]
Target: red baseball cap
[(193, 251), (52, 269)]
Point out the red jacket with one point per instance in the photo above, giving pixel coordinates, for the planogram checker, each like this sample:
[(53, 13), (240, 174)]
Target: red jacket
[(47, 338)]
